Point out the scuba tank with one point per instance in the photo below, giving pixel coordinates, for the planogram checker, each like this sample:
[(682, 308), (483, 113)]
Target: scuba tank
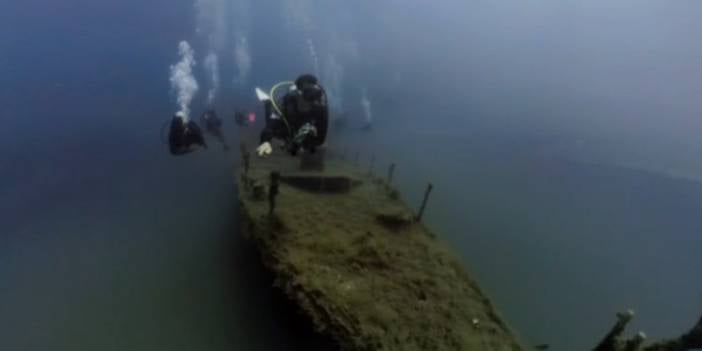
[(184, 137)]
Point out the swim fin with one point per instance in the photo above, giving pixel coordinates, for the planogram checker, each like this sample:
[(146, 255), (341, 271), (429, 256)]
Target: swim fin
[(261, 95)]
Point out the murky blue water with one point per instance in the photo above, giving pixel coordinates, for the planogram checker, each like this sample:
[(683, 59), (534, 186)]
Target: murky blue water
[(142, 258), (523, 116)]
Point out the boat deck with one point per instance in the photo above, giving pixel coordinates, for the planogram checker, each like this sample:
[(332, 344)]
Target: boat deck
[(347, 251)]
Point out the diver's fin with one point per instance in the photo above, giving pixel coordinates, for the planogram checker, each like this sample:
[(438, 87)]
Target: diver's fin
[(261, 95)]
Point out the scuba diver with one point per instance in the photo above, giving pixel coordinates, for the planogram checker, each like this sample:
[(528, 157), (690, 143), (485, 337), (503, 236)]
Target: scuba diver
[(302, 119), (213, 125), (244, 119), (184, 137), (240, 119)]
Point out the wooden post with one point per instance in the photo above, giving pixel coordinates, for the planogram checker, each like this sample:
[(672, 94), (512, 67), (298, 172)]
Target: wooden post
[(273, 191), (424, 202), (372, 165), (245, 157), (612, 339)]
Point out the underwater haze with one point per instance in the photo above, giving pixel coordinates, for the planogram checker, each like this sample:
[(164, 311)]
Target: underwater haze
[(562, 138)]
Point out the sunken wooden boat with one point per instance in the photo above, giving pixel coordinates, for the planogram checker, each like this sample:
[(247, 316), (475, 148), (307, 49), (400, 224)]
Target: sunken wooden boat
[(357, 262)]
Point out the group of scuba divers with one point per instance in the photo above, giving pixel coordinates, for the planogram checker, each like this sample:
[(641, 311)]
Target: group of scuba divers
[(300, 119)]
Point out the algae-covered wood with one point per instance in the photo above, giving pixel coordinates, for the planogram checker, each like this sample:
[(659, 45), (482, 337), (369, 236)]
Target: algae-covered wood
[(357, 264)]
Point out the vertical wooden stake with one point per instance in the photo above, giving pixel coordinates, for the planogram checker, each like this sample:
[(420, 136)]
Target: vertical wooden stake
[(245, 157), (424, 202), (391, 173), (273, 191)]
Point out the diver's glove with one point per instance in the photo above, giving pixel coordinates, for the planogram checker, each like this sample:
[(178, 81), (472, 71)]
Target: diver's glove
[(264, 149)]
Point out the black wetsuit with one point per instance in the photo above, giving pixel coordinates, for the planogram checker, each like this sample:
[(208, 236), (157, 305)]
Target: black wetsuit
[(298, 110), (181, 139), (212, 122)]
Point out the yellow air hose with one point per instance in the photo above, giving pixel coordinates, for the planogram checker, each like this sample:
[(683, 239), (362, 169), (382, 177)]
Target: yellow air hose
[(275, 104)]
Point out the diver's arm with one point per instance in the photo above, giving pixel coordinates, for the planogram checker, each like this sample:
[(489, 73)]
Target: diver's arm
[(290, 107), (275, 127), (267, 133), (323, 125), (266, 136), (322, 121), (265, 147)]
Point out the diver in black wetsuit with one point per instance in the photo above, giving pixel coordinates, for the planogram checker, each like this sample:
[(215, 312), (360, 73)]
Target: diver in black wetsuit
[(304, 120), (240, 119), (213, 125), (184, 137)]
